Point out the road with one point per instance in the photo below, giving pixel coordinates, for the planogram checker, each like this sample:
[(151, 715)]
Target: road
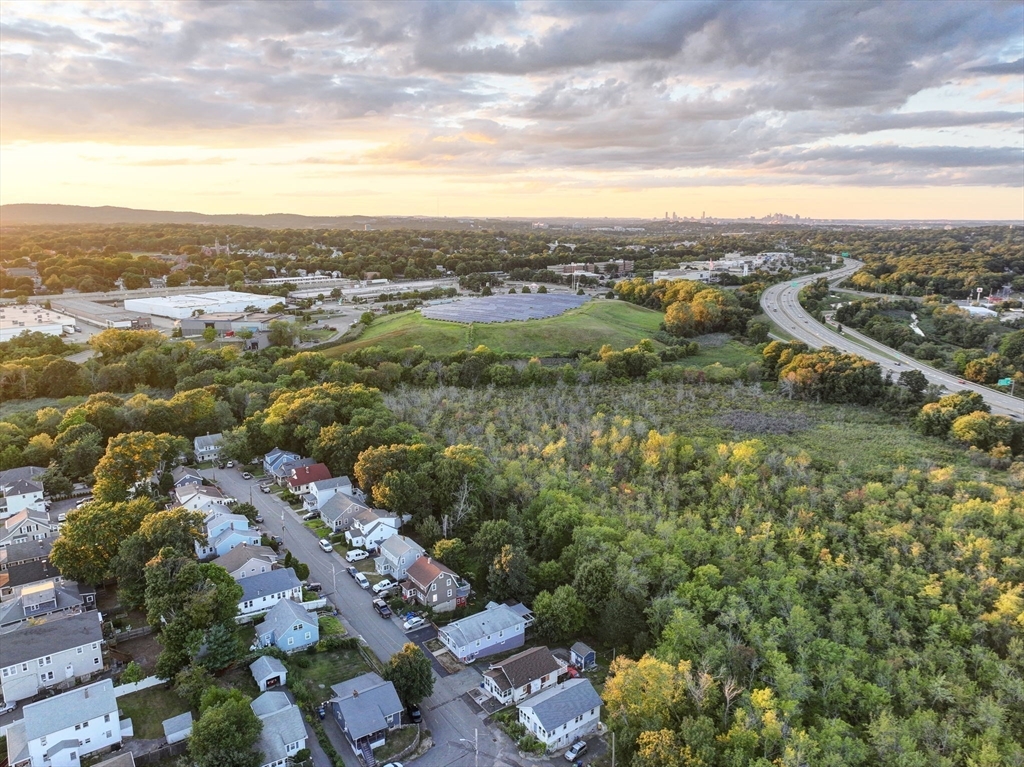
[(780, 302), (452, 722)]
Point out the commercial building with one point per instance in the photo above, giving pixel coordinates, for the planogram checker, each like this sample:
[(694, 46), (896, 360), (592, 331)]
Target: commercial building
[(16, 319), (228, 322), (186, 305)]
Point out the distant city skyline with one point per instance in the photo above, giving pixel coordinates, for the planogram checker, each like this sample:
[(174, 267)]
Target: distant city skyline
[(848, 110)]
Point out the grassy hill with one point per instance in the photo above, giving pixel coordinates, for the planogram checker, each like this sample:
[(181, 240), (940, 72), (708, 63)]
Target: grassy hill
[(589, 327)]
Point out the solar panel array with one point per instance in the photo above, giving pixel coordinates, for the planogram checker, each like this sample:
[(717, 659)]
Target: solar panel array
[(504, 308)]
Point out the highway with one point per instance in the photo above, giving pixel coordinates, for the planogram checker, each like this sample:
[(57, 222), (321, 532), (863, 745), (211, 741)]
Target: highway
[(780, 302)]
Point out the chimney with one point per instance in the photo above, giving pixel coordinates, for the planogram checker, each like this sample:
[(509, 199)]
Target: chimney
[(355, 693)]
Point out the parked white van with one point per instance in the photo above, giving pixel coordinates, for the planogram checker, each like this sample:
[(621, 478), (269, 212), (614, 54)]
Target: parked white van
[(354, 555)]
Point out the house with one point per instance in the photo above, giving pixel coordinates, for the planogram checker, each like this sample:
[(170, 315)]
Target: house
[(340, 510), (184, 477), (371, 527), (284, 472), (263, 591), (302, 477), (396, 554), (122, 758), (207, 448), (177, 728), (283, 734), (289, 627), (523, 674), (245, 560), (201, 497), (432, 584), (20, 495), (62, 729), (559, 715), (275, 458), (35, 600), (25, 573), (34, 657), (24, 526), (319, 492), (268, 672), (497, 629), (582, 657), (225, 531), (20, 553), (366, 708)]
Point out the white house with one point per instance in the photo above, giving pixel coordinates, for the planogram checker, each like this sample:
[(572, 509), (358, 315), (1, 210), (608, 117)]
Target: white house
[(497, 629), (396, 554), (263, 591), (24, 526), (322, 490), (62, 729), (208, 447), (283, 734), (33, 658), (523, 674), (20, 495), (225, 531), (371, 527), (202, 498), (559, 715), (340, 510)]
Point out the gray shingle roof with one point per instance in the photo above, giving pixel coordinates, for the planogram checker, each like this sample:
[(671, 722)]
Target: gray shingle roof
[(365, 713), (558, 705), (70, 708), (208, 441), (22, 487), (281, 725), (270, 703), (242, 553), (179, 723), (525, 666), (262, 584), (340, 506), (473, 627), (22, 472), (282, 616), (26, 552), (397, 545), (30, 642), (330, 484), (265, 667)]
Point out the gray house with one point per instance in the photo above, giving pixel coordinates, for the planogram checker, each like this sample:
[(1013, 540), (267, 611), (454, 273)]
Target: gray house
[(366, 708), (559, 715), (208, 446), (268, 672), (284, 732), (497, 629)]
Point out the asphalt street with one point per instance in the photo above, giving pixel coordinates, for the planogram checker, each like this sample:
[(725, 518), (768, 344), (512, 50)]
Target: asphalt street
[(780, 302), (453, 723)]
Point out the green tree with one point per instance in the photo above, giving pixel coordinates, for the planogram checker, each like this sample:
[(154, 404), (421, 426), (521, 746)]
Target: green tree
[(225, 735), (410, 671), (133, 672), (92, 536), (131, 460), (282, 333), (209, 334), (191, 682), (560, 615), (509, 574), (221, 648)]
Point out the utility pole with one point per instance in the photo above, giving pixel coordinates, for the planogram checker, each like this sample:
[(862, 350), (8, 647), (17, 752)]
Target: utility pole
[(476, 748), (613, 748)]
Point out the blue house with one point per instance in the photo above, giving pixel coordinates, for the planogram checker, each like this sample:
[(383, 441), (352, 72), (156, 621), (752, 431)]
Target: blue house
[(275, 459), (289, 627)]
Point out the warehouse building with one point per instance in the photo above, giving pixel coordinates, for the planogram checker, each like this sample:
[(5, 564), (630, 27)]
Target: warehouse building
[(182, 306), (228, 322), (15, 319)]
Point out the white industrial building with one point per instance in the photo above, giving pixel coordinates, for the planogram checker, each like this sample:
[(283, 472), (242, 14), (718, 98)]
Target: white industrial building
[(180, 307), (15, 319)]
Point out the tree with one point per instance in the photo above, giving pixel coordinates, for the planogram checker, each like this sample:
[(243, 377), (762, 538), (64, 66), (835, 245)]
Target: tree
[(367, 318), (92, 536), (209, 334), (55, 484), (225, 735), (133, 672), (78, 450), (131, 460), (282, 333), (509, 575), (453, 553), (221, 648), (559, 616), (914, 380), (191, 682), (410, 671)]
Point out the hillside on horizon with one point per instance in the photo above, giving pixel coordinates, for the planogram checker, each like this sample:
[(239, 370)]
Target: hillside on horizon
[(39, 213)]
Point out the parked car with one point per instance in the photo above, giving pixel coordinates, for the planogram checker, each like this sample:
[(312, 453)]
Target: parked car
[(311, 515), (246, 475), (577, 749), (393, 764), (314, 586), (6, 708), (229, 465), (384, 586), (382, 607), (362, 581), (326, 545), (415, 715), (354, 555), (82, 502), (264, 488), (351, 571), (258, 518), (62, 517), (414, 623)]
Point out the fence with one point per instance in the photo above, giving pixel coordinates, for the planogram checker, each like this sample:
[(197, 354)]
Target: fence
[(124, 636), (162, 753), (143, 684)]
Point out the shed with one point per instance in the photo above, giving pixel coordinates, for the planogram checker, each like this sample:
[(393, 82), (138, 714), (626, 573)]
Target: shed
[(268, 672), (178, 727), (582, 657)]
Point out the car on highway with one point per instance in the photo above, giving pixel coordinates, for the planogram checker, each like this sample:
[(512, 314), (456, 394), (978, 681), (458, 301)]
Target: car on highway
[(362, 581), (382, 608), (383, 586), (326, 545), (246, 475), (414, 623), (354, 555)]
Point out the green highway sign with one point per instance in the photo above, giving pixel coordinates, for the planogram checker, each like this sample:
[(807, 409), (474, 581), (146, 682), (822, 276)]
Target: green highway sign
[(846, 254), (1004, 381), (792, 284)]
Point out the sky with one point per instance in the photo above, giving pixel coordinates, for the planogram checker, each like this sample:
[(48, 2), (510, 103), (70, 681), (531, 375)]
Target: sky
[(894, 110)]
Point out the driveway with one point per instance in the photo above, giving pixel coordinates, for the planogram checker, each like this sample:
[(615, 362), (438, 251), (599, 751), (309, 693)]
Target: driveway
[(452, 722)]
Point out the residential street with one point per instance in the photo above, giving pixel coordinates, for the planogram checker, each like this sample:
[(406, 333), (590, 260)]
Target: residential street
[(452, 722)]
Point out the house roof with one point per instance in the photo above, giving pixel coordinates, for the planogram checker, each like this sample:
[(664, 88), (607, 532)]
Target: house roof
[(178, 473), (397, 545), (27, 572), (25, 552), (233, 532), (208, 440), (524, 667), (22, 472), (277, 455), (266, 666), (17, 742), (303, 475), (64, 596), (285, 468), (120, 759), (274, 582), (473, 627), (364, 704), (281, 725), (341, 507), (29, 642), (22, 487), (426, 570), (331, 483), (582, 650), (561, 704), (282, 616), (70, 708), (239, 555), (179, 723)]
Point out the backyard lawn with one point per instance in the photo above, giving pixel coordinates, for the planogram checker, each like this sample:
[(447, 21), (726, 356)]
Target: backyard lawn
[(323, 670), (149, 708)]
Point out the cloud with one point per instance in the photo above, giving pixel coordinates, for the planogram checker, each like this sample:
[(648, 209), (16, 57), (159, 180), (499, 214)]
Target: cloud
[(1000, 68)]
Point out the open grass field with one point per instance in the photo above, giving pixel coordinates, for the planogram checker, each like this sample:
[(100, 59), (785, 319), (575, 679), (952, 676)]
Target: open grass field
[(596, 323), (323, 670), (149, 708)]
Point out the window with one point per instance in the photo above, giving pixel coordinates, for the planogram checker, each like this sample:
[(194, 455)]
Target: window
[(107, 734), (95, 661), (449, 592), (308, 635), (42, 741), (291, 640), (45, 661), (6, 672), (80, 650), (433, 587), (106, 717), (46, 676), (24, 667)]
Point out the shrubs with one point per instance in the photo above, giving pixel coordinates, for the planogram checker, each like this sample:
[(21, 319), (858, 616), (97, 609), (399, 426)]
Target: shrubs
[(531, 745)]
